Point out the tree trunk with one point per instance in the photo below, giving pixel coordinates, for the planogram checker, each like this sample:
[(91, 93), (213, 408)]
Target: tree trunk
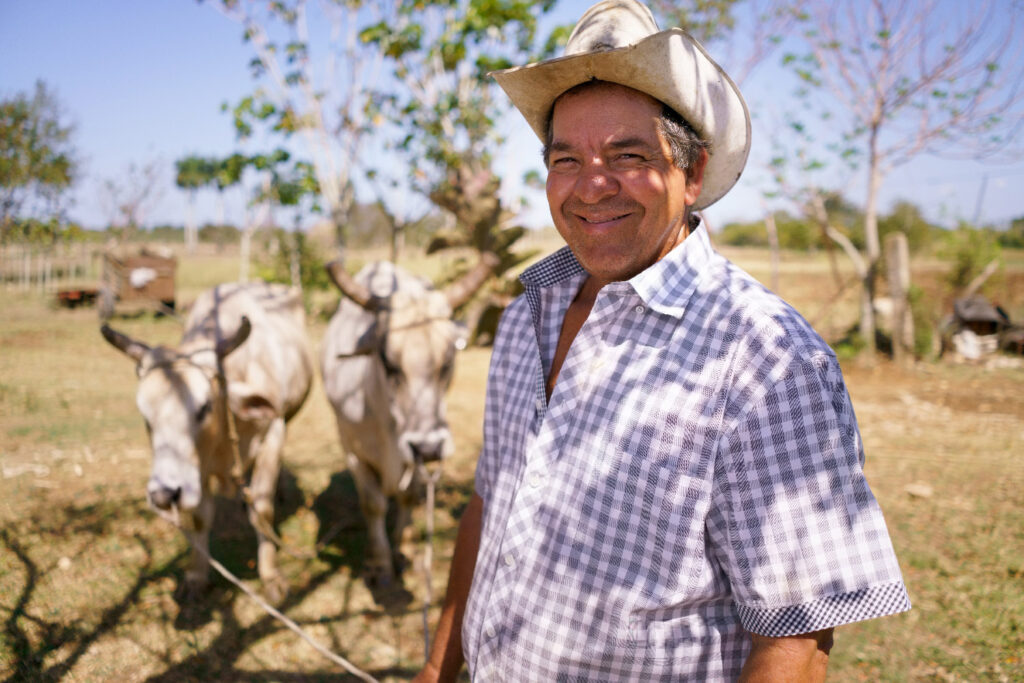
[(294, 266), (773, 244), (867, 312), (220, 208), (874, 249), (191, 234), (245, 250)]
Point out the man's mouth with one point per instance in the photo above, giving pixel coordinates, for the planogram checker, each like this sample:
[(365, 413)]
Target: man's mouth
[(599, 220)]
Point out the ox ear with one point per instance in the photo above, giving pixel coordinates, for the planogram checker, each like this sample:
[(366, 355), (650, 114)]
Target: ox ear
[(131, 348), (461, 291), (226, 346), (249, 404)]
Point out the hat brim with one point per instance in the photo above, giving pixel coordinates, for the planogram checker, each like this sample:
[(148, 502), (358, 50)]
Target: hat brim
[(670, 66)]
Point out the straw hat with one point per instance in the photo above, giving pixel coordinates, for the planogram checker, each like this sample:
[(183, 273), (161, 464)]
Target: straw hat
[(619, 41)]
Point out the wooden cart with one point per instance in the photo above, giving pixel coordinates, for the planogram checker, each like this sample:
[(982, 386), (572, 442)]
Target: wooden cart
[(134, 282)]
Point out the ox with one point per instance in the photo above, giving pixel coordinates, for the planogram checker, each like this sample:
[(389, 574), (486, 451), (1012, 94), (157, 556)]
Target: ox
[(387, 360), (215, 409)]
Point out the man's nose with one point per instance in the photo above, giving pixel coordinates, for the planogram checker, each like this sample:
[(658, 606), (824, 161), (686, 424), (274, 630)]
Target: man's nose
[(595, 183)]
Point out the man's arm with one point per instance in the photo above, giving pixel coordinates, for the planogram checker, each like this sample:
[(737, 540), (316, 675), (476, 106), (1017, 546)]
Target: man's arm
[(445, 659), (793, 659)]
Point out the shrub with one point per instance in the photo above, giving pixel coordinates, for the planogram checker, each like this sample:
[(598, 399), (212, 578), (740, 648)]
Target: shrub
[(969, 250), (295, 249), (744, 235), (922, 311)]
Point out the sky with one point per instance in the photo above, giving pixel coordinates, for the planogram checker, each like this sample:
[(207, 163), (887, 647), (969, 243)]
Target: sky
[(143, 82)]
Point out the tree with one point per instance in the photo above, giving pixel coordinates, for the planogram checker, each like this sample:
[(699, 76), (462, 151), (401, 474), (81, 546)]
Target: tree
[(37, 158), (193, 173), (742, 34), (227, 173), (129, 197), (902, 78), (1013, 236), (279, 188), (315, 89), (443, 114), (906, 217)]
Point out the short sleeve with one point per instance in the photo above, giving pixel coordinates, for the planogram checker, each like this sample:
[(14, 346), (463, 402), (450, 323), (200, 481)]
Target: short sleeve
[(793, 521)]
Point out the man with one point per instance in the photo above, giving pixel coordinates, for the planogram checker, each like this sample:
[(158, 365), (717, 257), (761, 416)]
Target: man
[(670, 486)]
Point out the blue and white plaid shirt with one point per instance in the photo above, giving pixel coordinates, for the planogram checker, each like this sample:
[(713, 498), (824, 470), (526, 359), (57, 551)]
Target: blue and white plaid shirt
[(696, 474)]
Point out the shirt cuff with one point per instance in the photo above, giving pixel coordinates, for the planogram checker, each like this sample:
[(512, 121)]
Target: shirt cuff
[(835, 610)]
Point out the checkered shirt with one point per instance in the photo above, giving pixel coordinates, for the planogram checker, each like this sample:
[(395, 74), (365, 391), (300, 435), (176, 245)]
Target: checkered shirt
[(696, 474)]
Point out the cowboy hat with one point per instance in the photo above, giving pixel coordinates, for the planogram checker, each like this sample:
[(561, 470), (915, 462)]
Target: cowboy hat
[(619, 41)]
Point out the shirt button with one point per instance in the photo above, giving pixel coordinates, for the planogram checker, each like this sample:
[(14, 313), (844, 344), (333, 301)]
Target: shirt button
[(536, 479), (639, 308), (540, 405), (510, 560), (491, 632)]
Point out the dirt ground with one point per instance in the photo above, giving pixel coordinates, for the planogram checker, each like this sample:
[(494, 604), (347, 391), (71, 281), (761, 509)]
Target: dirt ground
[(88, 574)]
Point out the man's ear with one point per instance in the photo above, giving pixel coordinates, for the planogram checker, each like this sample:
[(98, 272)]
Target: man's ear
[(695, 177)]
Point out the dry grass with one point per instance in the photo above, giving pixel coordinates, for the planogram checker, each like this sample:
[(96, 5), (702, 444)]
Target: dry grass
[(87, 573)]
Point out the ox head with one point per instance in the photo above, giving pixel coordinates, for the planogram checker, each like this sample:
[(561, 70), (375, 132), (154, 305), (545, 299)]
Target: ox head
[(181, 398), (414, 340)]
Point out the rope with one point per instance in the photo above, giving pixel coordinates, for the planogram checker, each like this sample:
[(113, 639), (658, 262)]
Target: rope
[(428, 553), (267, 607), (262, 526)]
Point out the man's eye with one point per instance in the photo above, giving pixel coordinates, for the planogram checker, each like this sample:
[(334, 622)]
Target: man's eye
[(563, 162), (627, 160)]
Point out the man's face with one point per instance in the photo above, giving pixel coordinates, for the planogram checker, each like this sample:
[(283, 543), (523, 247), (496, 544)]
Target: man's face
[(615, 195)]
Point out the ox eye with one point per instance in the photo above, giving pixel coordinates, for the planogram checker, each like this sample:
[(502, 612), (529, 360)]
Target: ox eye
[(203, 411)]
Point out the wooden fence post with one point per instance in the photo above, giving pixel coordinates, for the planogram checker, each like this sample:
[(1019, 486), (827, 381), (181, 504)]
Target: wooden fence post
[(898, 265)]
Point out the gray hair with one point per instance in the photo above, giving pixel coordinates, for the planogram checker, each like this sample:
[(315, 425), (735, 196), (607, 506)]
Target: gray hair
[(684, 143)]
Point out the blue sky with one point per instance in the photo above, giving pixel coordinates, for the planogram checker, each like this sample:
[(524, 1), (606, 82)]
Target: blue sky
[(144, 80)]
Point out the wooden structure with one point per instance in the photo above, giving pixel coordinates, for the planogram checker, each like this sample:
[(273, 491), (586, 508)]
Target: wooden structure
[(137, 281)]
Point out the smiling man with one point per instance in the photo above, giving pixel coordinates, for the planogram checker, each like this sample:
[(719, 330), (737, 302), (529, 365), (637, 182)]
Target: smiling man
[(616, 195), (671, 483)]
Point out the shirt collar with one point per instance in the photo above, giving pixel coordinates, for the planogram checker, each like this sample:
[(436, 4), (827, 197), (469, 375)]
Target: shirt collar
[(665, 287)]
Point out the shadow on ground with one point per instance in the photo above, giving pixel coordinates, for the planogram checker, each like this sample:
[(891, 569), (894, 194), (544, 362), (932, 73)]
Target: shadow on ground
[(31, 636)]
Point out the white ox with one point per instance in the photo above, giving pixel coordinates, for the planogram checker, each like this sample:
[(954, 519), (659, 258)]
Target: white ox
[(387, 360), (253, 337)]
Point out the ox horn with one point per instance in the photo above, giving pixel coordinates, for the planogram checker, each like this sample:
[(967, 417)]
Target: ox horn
[(131, 348), (226, 346), (459, 292), (352, 289)]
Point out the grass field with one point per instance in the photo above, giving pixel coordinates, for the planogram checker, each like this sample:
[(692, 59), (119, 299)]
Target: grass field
[(88, 573)]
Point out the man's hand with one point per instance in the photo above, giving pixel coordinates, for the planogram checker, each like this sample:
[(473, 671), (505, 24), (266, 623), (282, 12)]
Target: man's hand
[(793, 659), (429, 674)]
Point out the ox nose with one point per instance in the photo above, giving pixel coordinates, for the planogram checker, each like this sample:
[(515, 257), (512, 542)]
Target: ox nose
[(427, 452), (164, 498)]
